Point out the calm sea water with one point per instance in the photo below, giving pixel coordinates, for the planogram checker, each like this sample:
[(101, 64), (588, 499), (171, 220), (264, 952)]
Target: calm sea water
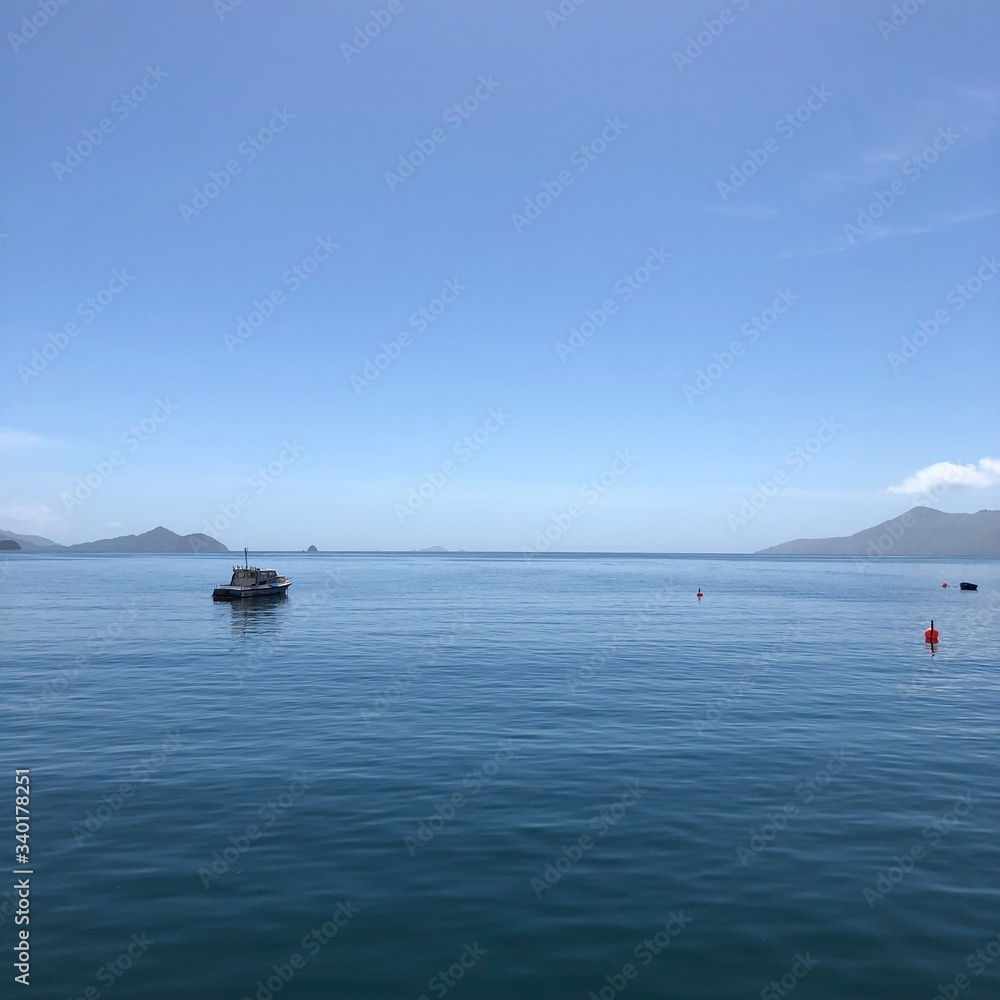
[(481, 777)]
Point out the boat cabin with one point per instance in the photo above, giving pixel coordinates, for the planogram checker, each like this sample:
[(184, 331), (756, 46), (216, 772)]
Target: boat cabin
[(250, 576)]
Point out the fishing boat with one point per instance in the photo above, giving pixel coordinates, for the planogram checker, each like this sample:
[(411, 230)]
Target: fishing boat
[(968, 586), (249, 581)]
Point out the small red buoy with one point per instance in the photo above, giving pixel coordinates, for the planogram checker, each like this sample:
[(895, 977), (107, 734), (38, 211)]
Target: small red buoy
[(931, 634), (699, 595), (944, 585)]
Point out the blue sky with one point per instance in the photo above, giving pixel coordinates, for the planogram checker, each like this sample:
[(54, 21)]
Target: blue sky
[(542, 233)]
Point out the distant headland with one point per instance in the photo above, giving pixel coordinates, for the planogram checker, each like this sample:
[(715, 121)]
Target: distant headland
[(922, 531), (160, 539)]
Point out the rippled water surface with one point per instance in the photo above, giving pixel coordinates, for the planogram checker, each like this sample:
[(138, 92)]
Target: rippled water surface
[(482, 777)]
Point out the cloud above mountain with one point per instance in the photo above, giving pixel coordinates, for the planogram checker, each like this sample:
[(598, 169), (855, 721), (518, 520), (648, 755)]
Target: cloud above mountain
[(949, 474)]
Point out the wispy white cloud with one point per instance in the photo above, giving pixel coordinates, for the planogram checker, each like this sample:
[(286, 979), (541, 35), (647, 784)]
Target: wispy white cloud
[(745, 211), (936, 224), (816, 251), (12, 438), (978, 109), (988, 96), (877, 233), (986, 473), (907, 129), (884, 156), (832, 181), (972, 215), (842, 245), (26, 516)]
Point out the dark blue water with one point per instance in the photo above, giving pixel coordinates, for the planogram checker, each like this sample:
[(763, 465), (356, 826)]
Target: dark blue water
[(483, 777)]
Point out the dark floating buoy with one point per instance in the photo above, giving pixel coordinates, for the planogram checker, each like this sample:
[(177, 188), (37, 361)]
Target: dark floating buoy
[(968, 586), (931, 634)]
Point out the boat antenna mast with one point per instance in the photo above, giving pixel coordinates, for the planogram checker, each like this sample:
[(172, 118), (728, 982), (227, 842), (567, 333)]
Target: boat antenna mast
[(246, 558)]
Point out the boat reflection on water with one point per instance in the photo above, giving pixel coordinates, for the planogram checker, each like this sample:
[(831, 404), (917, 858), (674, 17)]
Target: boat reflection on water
[(258, 632), (256, 617)]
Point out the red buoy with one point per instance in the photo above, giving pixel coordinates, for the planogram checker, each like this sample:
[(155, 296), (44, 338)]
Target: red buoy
[(931, 634), (944, 585), (699, 595)]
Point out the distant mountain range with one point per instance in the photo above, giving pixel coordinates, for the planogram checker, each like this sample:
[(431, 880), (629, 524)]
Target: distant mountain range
[(28, 541), (921, 531), (157, 540)]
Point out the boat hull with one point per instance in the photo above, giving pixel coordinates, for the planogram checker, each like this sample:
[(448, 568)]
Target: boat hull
[(968, 586), (245, 593)]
